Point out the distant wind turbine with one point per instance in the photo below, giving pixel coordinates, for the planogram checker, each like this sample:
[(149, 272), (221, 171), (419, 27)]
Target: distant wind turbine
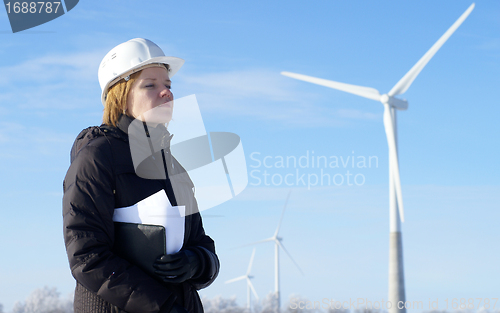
[(391, 104), (249, 283), (277, 241)]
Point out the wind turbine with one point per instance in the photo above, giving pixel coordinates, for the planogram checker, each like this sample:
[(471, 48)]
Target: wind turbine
[(391, 104), (277, 241), (249, 283)]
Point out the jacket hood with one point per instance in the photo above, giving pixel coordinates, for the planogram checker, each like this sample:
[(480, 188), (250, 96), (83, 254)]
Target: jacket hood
[(91, 133)]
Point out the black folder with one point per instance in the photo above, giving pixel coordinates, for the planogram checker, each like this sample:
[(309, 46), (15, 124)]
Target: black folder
[(140, 244)]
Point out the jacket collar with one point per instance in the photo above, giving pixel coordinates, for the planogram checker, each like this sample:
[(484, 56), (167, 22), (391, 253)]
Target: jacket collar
[(123, 122), (158, 134)]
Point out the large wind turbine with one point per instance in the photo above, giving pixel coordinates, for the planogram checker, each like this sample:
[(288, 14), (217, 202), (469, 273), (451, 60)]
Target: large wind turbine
[(277, 241), (391, 104), (249, 283)]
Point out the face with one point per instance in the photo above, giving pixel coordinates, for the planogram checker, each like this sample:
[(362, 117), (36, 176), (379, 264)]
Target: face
[(150, 96)]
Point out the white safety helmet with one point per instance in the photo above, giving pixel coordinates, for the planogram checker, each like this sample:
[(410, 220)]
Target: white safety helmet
[(128, 58)]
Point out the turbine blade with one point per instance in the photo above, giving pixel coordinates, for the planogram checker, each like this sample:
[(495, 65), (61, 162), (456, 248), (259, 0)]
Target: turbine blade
[(394, 164), (254, 243), (282, 213), (251, 261), (404, 83), (253, 289), (367, 92), (235, 279), (283, 247)]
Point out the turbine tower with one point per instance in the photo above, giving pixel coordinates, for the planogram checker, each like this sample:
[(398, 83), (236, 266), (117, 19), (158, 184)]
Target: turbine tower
[(391, 105), (277, 241), (249, 283)]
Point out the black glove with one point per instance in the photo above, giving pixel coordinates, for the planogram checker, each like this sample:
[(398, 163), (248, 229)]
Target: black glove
[(175, 309), (177, 267)]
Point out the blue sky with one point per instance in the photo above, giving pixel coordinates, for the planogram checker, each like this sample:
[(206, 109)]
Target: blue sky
[(234, 52)]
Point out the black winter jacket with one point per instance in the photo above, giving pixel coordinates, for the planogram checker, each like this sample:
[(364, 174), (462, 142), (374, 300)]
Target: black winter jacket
[(101, 178)]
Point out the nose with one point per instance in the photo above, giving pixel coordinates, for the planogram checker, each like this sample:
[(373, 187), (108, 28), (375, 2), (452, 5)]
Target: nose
[(166, 93)]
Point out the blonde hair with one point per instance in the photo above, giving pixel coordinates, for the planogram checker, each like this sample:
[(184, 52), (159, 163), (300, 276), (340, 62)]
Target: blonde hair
[(116, 99)]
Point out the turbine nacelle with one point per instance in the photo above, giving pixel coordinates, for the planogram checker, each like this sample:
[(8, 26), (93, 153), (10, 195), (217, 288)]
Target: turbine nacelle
[(400, 104)]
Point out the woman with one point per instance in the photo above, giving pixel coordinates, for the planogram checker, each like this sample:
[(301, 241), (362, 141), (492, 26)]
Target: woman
[(135, 79)]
